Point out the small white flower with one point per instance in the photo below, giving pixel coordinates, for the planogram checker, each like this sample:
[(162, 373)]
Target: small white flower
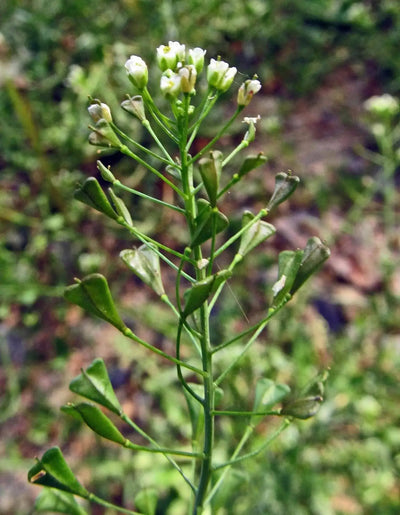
[(383, 105), (247, 90), (170, 85), (137, 71), (196, 57), (188, 76), (251, 119), (168, 56), (219, 75)]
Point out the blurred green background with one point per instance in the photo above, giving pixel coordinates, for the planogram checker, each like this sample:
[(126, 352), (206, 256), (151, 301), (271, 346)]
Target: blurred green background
[(318, 61)]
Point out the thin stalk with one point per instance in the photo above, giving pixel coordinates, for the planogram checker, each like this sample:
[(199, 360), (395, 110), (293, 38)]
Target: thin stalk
[(127, 151), (161, 450), (139, 146), (129, 334), (219, 134), (121, 186), (98, 500), (246, 413), (235, 459), (134, 426), (208, 104), (162, 121), (149, 128)]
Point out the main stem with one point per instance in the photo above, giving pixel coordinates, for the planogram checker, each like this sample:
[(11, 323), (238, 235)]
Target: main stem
[(201, 273)]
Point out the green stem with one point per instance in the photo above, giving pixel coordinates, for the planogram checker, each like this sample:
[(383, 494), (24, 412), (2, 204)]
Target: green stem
[(161, 450), (98, 500), (219, 134), (127, 151), (129, 334), (121, 186), (134, 426)]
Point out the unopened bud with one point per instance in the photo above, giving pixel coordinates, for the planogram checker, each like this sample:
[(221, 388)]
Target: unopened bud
[(247, 90), (196, 57), (137, 71), (188, 76), (99, 110)]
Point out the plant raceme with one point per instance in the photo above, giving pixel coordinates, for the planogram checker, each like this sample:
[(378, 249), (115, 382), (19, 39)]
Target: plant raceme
[(198, 183)]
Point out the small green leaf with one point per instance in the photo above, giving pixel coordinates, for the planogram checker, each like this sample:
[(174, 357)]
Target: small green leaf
[(120, 207), (145, 263), (288, 266), (58, 501), (97, 421), (315, 254), (90, 193), (208, 220), (268, 394), (94, 384), (258, 232), (53, 471), (285, 185), (210, 171), (93, 294), (146, 501), (250, 163)]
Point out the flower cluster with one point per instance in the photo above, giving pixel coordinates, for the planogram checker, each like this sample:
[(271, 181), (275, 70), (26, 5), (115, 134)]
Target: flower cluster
[(180, 68)]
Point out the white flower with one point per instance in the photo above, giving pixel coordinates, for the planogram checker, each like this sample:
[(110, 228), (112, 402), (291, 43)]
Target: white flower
[(137, 71), (251, 119), (383, 105), (219, 75), (168, 56), (170, 85), (188, 76), (247, 90), (196, 57)]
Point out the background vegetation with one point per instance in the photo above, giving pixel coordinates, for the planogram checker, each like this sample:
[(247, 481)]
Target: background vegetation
[(318, 61)]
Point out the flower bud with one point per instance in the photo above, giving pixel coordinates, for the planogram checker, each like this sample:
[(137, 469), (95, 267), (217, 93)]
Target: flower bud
[(137, 71), (170, 85), (196, 57), (188, 75), (219, 75), (168, 56), (247, 90), (135, 106), (98, 110), (382, 106)]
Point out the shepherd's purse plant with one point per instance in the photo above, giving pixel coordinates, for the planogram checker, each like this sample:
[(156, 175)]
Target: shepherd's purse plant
[(198, 180)]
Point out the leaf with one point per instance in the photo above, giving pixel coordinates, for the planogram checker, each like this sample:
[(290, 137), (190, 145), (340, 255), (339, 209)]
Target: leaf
[(94, 384), (146, 501), (97, 421), (256, 234), (58, 501), (208, 220), (53, 471), (90, 193), (145, 263), (93, 294)]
